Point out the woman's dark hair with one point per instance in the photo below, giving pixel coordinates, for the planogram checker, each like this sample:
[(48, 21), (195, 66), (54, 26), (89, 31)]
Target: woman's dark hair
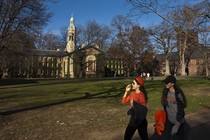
[(177, 91), (164, 97), (142, 89)]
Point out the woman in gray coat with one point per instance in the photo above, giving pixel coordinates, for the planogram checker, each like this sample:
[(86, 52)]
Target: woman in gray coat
[(174, 103)]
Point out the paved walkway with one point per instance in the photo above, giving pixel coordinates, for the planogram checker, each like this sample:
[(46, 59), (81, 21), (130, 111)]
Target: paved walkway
[(198, 126)]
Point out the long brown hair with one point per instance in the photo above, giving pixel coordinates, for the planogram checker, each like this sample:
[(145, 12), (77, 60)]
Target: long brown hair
[(142, 89), (178, 90)]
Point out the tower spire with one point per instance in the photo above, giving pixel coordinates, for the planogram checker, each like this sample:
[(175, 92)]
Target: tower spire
[(71, 37), (72, 19)]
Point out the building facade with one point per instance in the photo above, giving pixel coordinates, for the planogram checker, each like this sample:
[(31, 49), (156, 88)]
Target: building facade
[(199, 63), (68, 63), (91, 61)]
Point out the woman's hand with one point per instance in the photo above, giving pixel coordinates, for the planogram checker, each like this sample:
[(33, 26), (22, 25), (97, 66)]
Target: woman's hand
[(175, 128), (128, 88)]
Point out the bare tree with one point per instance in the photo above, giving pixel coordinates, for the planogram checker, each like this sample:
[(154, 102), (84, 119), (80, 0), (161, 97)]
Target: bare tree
[(25, 15), (183, 20), (39, 40), (186, 23), (138, 44), (163, 39), (64, 34), (20, 23), (131, 42), (205, 43), (121, 27), (12, 59), (52, 41), (93, 33)]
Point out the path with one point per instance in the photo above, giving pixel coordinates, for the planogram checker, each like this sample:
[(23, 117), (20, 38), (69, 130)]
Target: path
[(199, 126)]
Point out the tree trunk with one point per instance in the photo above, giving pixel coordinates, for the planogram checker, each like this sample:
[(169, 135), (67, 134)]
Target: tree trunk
[(182, 55), (167, 67), (182, 65), (207, 70), (206, 63)]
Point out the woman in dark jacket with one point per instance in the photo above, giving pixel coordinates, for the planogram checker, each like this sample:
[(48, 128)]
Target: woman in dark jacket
[(174, 103), (138, 109)]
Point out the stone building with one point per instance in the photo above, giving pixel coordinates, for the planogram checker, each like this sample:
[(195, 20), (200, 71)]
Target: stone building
[(196, 55), (198, 64), (69, 63), (91, 61)]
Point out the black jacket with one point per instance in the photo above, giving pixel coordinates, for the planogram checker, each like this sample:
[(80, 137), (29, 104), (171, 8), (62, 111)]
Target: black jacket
[(138, 113)]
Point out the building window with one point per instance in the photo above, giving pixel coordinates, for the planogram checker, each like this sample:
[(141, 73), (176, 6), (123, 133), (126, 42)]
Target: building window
[(90, 65), (40, 64)]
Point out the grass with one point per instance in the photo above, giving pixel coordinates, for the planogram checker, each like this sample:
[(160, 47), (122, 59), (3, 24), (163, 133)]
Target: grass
[(44, 92), (57, 108), (38, 93)]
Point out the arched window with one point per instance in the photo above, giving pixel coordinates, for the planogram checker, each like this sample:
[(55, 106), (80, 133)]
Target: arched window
[(91, 65)]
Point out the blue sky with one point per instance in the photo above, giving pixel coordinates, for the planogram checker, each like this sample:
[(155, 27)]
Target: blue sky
[(101, 11)]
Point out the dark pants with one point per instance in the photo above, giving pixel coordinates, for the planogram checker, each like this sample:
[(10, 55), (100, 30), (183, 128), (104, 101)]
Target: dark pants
[(167, 132), (182, 134), (142, 130)]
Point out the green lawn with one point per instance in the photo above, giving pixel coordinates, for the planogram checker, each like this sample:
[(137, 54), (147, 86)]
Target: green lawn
[(31, 93), (89, 106)]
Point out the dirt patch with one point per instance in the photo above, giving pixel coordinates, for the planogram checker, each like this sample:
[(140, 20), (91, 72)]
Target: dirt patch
[(6, 120), (203, 91), (206, 91), (65, 122), (73, 122)]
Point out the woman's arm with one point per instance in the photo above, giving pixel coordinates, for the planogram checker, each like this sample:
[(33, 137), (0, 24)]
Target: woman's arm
[(126, 97)]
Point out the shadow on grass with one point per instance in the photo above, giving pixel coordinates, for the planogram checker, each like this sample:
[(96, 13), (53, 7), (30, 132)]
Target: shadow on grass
[(103, 95), (7, 82), (17, 83), (7, 97)]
